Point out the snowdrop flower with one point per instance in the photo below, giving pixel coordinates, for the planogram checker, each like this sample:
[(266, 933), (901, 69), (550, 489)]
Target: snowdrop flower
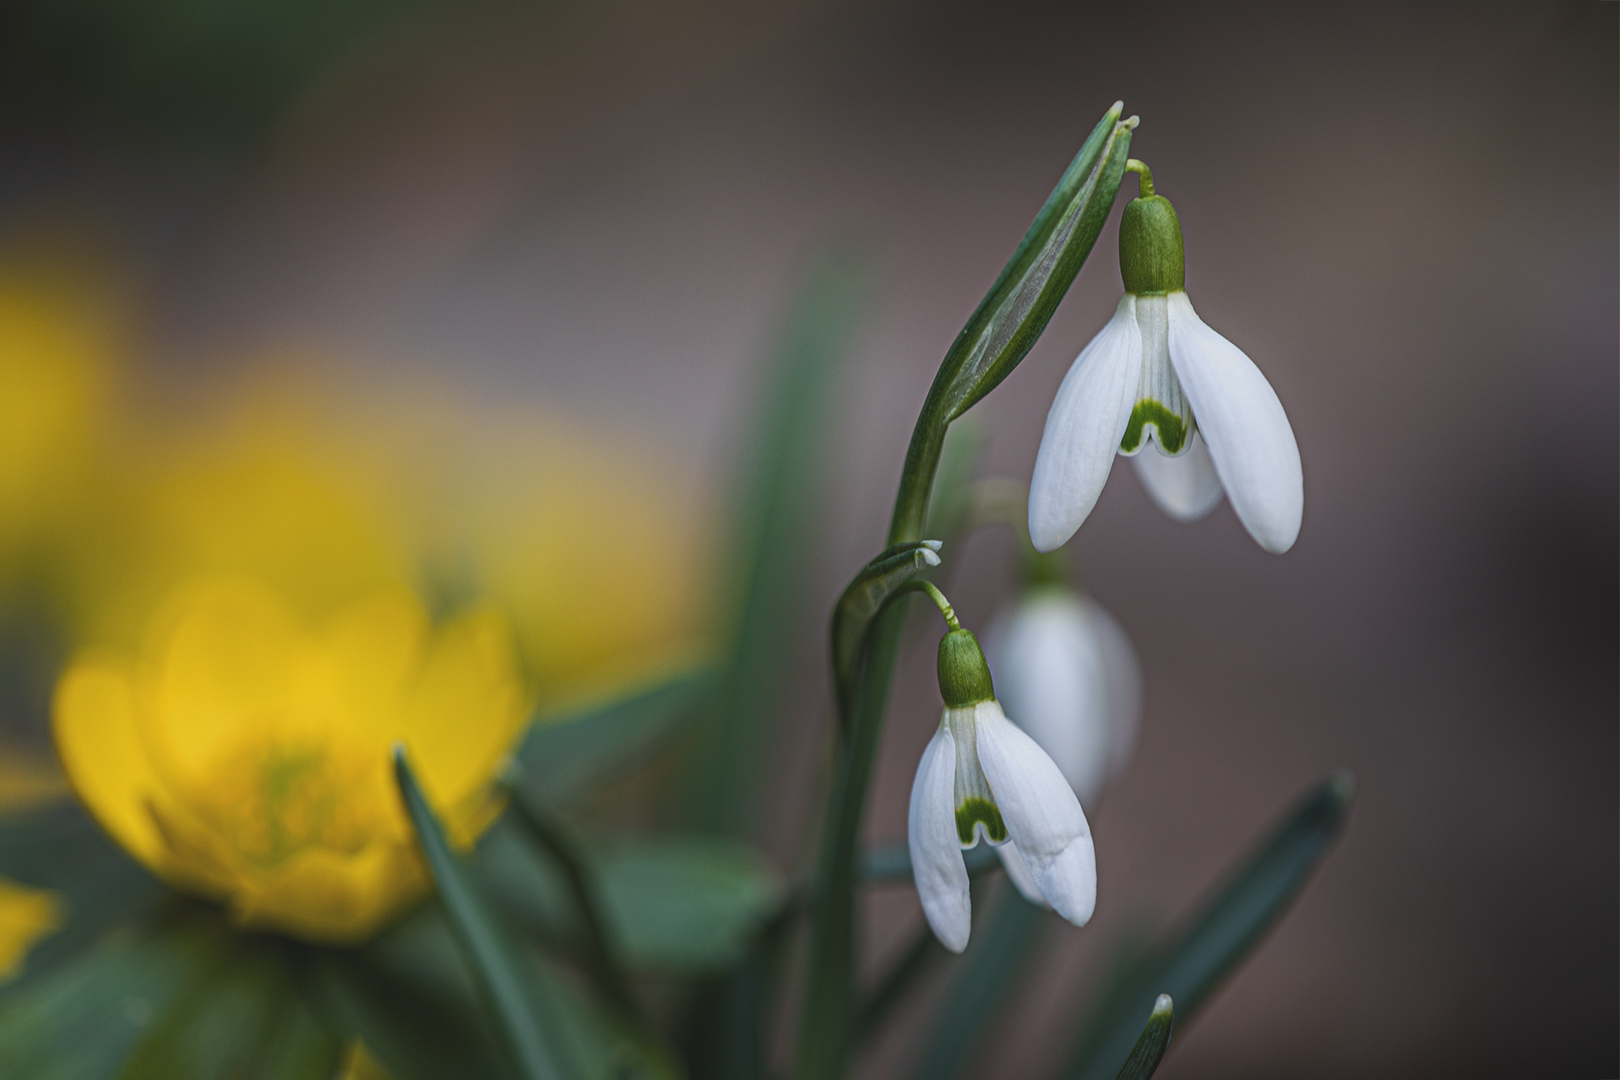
[(1069, 675), (1157, 375), (982, 778)]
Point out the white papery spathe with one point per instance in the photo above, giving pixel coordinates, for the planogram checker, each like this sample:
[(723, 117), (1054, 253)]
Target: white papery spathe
[(1156, 350), (1068, 673), (977, 753)]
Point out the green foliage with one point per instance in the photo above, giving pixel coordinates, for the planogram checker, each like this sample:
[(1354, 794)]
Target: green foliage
[(1150, 1046), (511, 989), (1192, 962), (671, 904), (775, 534), (562, 757)]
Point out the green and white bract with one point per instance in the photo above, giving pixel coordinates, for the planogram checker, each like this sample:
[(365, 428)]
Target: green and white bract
[(1156, 374), (982, 777)]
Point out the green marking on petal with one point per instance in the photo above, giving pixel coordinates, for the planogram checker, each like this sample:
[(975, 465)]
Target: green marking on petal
[(1172, 432), (976, 810)]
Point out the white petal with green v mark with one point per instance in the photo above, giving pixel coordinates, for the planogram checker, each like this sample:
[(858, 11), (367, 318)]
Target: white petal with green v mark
[(981, 778), (1188, 382), (1249, 437), (1185, 486)]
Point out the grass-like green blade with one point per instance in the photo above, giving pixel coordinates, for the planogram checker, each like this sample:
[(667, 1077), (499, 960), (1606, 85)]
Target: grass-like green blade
[(509, 990), (674, 905), (563, 756), (1192, 962), (1152, 1043), (775, 533), (1001, 948)]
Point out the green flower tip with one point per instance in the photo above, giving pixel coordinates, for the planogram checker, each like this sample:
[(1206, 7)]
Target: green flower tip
[(964, 675), (1151, 256)]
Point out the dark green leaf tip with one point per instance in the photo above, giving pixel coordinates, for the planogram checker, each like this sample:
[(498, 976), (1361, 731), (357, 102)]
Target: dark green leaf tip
[(1152, 1043), (964, 675)]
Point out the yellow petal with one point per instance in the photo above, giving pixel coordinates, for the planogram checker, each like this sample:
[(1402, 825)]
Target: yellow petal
[(223, 658), (465, 709), (325, 896), (370, 651), (26, 915), (103, 756), (358, 1064)]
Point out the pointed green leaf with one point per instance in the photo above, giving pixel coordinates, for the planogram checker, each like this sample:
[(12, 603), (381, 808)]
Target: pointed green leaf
[(1002, 946), (1193, 962), (775, 536), (563, 756), (1152, 1043), (674, 905), (510, 988)]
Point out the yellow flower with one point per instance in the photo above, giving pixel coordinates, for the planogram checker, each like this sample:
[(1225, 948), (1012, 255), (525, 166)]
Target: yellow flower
[(245, 756), (58, 342), (26, 915)]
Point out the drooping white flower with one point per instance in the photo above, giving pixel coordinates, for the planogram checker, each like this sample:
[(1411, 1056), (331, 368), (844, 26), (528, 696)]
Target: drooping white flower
[(1157, 375), (983, 778), (1069, 676)]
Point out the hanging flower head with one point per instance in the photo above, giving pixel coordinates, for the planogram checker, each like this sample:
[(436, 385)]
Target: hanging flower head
[(1070, 677), (1156, 375), (982, 778)]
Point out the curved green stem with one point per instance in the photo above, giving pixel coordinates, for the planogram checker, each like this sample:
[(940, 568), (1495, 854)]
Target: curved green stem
[(1144, 176)]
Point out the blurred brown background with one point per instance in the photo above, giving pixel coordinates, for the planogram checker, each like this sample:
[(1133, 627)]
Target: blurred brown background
[(1406, 214)]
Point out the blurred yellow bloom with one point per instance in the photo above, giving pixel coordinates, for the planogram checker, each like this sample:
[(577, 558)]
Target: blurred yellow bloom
[(358, 1064), (57, 353), (245, 754), (26, 915)]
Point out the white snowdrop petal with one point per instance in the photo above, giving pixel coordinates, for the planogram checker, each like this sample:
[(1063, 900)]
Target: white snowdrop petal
[(1019, 874), (1184, 486), (1083, 429), (1244, 424), (936, 856), (1124, 685), (1052, 679), (1042, 814)]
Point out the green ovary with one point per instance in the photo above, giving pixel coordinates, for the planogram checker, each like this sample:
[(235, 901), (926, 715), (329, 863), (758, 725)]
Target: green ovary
[(979, 810), (1172, 432)]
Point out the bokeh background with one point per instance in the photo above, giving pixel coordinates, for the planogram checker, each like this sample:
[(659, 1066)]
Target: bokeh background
[(1405, 213)]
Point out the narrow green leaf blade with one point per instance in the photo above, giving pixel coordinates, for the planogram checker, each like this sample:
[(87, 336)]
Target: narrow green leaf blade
[(1193, 962), (562, 757), (1152, 1043), (508, 989), (981, 987), (677, 905), (775, 534)]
